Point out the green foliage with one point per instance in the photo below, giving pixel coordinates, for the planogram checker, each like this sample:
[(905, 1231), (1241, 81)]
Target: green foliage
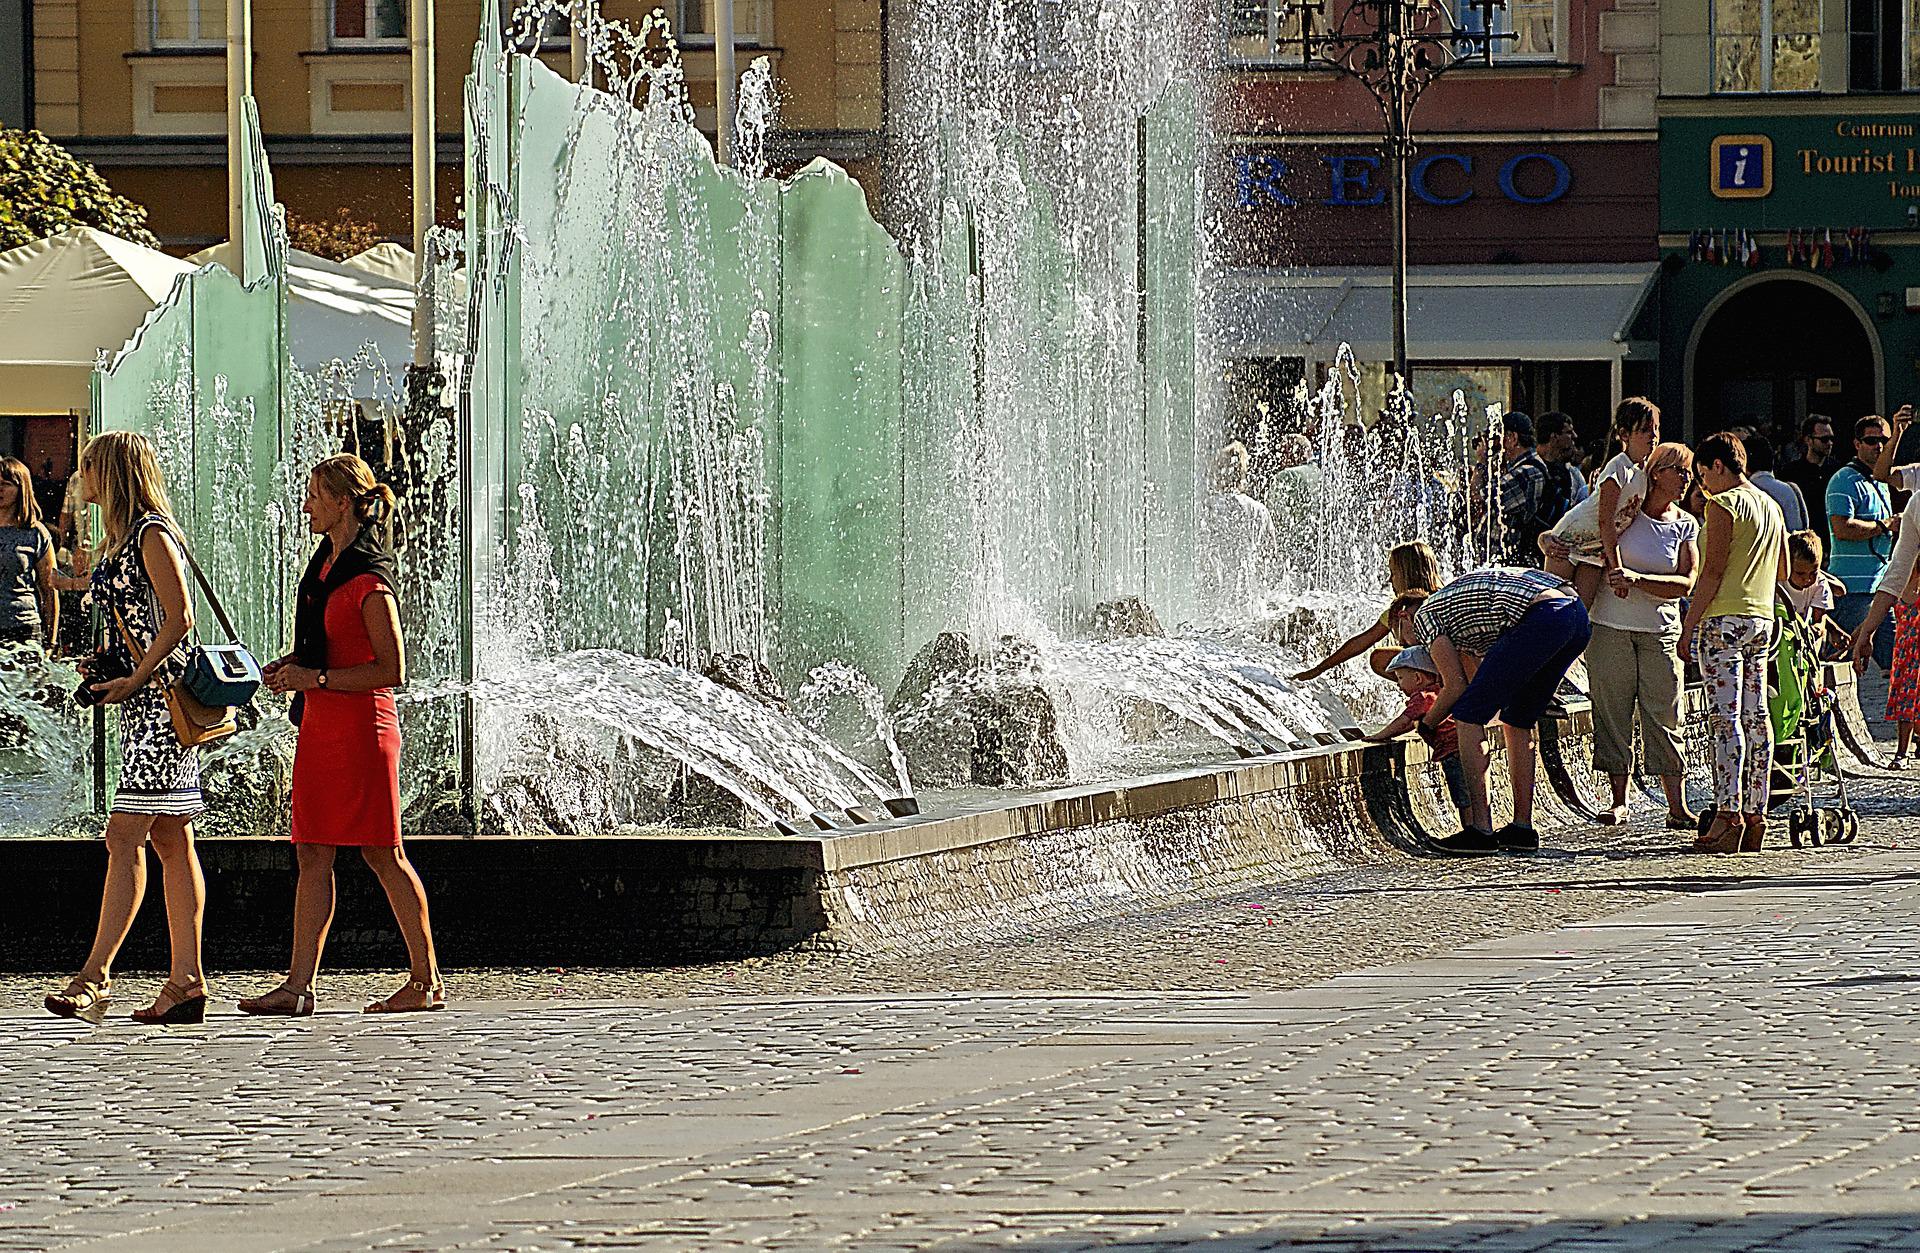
[(44, 189)]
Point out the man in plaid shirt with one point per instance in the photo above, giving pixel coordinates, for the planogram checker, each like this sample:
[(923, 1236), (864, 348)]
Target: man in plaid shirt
[(1522, 486)]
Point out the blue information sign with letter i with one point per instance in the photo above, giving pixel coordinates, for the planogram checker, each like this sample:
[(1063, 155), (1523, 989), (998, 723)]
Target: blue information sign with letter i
[(1742, 166)]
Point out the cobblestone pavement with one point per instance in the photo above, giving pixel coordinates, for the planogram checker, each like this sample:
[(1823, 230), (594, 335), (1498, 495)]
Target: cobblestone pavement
[(1722, 1061)]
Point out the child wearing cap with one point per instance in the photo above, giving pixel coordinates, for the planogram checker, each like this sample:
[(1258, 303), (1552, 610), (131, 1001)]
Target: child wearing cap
[(1419, 679)]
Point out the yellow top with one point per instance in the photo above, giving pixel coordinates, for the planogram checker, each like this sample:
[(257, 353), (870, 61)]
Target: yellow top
[(1753, 557)]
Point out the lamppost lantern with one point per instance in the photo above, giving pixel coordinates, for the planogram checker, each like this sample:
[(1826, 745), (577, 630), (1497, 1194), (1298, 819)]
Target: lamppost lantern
[(1395, 49)]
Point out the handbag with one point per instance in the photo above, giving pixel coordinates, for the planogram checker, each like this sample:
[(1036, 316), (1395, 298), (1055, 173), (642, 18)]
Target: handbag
[(219, 675), (194, 722)]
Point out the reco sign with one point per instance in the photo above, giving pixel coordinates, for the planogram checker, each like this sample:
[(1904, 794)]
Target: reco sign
[(1443, 178)]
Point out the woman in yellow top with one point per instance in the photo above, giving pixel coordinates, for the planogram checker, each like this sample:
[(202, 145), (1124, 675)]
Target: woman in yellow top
[(1743, 559)]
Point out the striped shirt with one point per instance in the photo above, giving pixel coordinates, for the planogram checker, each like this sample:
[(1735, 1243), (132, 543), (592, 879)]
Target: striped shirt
[(1478, 608)]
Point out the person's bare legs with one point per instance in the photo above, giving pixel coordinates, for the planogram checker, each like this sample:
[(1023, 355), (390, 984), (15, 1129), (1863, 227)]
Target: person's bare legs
[(1618, 782), (409, 901), (1587, 581), (1520, 772), (1675, 787), (186, 892), (120, 897), (313, 898), (1473, 759)]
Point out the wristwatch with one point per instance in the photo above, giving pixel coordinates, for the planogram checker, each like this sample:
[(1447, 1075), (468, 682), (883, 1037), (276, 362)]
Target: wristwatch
[(322, 680)]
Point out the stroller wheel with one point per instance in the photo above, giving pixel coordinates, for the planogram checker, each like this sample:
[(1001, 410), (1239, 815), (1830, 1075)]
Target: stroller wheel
[(1843, 826), (1803, 825)]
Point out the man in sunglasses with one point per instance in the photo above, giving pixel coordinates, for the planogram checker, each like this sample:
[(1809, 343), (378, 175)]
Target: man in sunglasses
[(1812, 468), (1861, 520)]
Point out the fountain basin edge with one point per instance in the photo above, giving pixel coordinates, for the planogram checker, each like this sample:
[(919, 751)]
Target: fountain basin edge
[(900, 886)]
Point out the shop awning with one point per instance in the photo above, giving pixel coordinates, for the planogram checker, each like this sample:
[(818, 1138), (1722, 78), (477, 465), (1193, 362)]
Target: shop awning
[(1454, 312)]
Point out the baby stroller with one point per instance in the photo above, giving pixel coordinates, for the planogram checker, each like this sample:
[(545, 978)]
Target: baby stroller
[(1803, 710)]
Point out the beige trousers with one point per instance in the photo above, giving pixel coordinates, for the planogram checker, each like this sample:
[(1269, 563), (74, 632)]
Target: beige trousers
[(1632, 670)]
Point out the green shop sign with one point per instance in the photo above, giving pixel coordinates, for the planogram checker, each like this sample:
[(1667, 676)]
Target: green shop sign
[(1777, 173)]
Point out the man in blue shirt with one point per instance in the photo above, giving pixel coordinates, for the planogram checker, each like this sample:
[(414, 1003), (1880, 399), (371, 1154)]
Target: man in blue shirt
[(1860, 518)]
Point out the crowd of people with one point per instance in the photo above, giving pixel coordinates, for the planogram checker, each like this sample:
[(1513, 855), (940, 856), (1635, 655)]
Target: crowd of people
[(1661, 558), (347, 659)]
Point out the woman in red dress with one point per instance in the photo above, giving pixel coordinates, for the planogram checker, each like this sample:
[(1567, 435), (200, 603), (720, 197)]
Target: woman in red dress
[(347, 658)]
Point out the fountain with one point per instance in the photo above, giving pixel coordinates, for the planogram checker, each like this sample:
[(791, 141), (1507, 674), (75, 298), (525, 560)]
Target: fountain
[(713, 434)]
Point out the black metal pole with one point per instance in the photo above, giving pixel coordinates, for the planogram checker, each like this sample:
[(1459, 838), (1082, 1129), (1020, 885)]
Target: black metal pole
[(1397, 192)]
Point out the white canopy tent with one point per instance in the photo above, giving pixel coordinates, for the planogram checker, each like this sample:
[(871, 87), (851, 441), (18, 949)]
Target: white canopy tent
[(62, 300), (335, 309), (389, 261), (66, 298)]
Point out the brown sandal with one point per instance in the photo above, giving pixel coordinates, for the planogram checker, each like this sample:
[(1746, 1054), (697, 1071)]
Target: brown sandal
[(1755, 835), (80, 995), (435, 992), (1727, 841)]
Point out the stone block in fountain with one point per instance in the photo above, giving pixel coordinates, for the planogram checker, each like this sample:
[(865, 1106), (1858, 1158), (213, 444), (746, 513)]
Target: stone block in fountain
[(965, 718)]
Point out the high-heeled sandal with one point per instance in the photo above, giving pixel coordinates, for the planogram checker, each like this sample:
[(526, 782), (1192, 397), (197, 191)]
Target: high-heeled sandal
[(189, 1008), (80, 995), (1728, 841), (435, 992), (267, 1007), (1755, 836)]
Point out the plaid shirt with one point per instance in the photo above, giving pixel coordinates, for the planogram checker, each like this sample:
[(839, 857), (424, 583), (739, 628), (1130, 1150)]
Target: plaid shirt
[(1476, 609), (1523, 489)]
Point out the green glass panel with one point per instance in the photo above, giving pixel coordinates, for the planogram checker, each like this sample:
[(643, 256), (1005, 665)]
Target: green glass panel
[(841, 542)]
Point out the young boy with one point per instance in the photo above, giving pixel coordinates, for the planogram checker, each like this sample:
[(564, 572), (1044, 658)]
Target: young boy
[(1809, 590), (1419, 679)]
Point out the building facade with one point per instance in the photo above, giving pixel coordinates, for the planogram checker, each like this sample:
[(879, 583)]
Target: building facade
[(1790, 210), (138, 87), (1531, 212)]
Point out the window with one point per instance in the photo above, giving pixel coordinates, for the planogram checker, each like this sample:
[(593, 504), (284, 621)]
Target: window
[(363, 22), (1263, 30), (189, 23), (752, 22), (1040, 34), (555, 33), (1269, 30), (1766, 45), (1883, 43)]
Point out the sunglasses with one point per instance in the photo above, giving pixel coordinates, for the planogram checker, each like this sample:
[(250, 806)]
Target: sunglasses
[(1874, 439), (1680, 470)]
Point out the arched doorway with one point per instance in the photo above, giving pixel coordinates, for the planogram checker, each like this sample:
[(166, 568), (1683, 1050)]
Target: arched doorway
[(1775, 348)]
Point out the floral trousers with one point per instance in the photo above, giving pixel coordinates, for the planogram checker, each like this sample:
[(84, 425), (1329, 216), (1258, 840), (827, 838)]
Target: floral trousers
[(1733, 661)]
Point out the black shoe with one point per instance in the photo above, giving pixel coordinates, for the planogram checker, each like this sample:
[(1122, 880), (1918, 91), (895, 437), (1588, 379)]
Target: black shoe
[(1514, 838), (1469, 842)]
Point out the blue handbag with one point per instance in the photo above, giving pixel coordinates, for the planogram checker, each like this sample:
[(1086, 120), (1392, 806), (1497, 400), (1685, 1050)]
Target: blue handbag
[(219, 674)]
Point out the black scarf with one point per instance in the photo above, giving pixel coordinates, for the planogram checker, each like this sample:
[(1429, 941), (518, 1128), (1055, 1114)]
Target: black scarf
[(363, 556)]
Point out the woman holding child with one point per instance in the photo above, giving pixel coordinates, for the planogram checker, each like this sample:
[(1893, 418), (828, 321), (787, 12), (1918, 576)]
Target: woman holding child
[(1633, 662)]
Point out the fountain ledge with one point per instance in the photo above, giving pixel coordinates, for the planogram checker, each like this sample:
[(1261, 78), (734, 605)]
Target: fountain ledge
[(901, 886)]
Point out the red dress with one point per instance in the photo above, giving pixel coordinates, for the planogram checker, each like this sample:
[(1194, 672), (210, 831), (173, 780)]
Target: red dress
[(1903, 682), (346, 769)]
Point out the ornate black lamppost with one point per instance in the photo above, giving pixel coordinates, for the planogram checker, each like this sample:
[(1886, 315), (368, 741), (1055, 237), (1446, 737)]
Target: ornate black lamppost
[(1395, 48)]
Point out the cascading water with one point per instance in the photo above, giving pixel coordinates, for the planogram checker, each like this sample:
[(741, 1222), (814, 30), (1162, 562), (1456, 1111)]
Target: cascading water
[(714, 412)]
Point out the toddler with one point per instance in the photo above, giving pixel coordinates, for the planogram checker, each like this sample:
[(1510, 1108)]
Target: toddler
[(1419, 679)]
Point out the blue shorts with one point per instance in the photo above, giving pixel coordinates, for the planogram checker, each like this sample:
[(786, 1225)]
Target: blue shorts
[(1523, 669)]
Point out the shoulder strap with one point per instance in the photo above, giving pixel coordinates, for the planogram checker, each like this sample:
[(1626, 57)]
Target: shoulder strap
[(200, 577), (213, 599)]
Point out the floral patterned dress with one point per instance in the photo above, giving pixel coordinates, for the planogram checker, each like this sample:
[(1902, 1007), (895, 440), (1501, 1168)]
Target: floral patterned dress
[(158, 775), (1903, 681)]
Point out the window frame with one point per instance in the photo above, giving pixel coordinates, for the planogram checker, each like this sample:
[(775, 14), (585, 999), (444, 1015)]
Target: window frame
[(368, 42), (1904, 48), (762, 11), (1765, 36), (1562, 10), (196, 39)]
